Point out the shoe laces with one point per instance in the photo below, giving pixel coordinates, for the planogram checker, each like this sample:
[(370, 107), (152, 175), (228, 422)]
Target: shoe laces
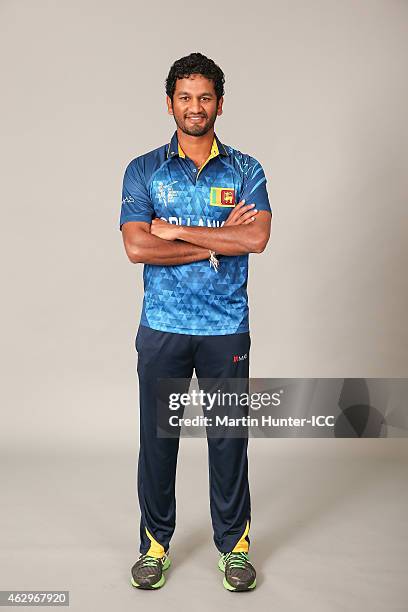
[(148, 560), (236, 559)]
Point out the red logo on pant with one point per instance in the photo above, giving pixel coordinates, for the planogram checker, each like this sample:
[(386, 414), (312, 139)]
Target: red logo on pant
[(237, 358)]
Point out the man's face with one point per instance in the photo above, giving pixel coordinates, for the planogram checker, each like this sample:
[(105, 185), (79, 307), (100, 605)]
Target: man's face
[(194, 106)]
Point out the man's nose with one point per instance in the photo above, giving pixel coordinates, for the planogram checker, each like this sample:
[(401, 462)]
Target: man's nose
[(195, 106)]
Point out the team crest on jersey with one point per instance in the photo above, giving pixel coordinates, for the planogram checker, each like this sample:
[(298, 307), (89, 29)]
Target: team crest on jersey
[(222, 196)]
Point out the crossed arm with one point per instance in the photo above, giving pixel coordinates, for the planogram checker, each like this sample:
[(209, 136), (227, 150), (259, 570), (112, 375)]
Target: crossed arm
[(245, 231)]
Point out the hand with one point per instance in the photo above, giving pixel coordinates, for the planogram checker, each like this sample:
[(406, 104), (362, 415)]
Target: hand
[(163, 229), (242, 214)]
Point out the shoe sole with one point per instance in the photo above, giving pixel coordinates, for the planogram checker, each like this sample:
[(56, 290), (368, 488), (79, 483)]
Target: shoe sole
[(228, 586), (158, 584)]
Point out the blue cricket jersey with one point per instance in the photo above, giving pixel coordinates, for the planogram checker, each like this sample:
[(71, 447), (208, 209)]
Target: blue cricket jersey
[(194, 298)]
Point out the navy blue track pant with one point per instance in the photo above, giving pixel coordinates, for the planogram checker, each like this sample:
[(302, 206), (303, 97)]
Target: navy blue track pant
[(170, 355)]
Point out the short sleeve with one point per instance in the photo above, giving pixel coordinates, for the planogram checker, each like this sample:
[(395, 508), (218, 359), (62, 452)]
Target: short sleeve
[(136, 203), (254, 188)]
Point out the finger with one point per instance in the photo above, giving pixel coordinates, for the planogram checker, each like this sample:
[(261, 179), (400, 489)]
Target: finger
[(237, 210), (249, 213), (245, 215), (245, 209), (238, 206), (248, 221), (242, 216)]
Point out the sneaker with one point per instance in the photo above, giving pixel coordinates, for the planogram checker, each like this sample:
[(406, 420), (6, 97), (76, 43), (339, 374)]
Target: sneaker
[(239, 574), (147, 572)]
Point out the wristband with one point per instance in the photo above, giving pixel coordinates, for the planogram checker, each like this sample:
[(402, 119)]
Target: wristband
[(214, 261)]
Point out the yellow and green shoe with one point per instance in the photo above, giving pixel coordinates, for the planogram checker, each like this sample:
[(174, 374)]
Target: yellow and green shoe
[(239, 573), (148, 571)]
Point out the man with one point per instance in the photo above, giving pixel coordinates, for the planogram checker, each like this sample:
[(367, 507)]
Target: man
[(192, 211)]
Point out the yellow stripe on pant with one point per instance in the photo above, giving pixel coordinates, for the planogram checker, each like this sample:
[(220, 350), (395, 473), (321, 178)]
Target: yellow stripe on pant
[(156, 549), (242, 544)]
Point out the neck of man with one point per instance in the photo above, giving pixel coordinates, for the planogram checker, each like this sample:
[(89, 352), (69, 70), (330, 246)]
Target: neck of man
[(197, 148)]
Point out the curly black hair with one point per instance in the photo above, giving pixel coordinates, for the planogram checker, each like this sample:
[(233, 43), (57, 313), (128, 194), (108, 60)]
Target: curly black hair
[(195, 63)]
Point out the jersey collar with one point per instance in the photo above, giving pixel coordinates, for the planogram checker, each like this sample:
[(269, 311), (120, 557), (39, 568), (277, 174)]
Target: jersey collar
[(174, 148)]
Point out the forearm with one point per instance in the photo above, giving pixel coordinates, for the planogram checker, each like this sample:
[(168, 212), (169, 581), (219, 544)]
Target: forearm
[(153, 250), (231, 240)]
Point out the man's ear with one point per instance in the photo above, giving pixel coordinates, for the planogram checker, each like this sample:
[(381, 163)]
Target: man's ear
[(169, 105), (219, 107)]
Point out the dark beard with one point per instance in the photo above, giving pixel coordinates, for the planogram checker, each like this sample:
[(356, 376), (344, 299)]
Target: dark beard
[(197, 130)]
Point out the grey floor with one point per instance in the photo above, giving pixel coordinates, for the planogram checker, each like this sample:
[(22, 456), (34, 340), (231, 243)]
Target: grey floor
[(329, 528)]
